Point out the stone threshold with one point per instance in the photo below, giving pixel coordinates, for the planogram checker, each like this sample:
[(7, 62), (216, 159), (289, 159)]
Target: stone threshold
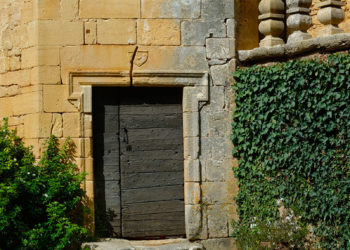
[(331, 43), (122, 244)]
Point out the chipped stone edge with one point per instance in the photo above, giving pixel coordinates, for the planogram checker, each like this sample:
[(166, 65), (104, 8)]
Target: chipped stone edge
[(332, 43)]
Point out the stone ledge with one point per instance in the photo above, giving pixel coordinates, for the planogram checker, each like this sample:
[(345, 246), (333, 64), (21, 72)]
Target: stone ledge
[(120, 244), (332, 43)]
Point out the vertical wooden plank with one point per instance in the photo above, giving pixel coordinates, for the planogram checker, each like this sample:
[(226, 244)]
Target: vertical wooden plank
[(106, 162)]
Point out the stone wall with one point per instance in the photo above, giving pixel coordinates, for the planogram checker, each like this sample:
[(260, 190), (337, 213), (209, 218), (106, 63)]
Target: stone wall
[(44, 41)]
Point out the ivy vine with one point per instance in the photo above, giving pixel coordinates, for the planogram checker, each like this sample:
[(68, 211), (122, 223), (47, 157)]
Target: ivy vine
[(291, 132)]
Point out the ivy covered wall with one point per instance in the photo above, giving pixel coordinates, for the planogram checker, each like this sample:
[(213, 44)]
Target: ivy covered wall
[(291, 131)]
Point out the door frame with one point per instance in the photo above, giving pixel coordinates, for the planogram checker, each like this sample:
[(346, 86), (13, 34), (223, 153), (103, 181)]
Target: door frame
[(195, 94)]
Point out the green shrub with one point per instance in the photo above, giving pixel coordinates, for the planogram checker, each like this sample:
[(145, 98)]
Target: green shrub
[(291, 131), (40, 204)]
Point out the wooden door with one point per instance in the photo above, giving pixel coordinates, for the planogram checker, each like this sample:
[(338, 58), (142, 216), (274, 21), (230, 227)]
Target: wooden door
[(138, 161)]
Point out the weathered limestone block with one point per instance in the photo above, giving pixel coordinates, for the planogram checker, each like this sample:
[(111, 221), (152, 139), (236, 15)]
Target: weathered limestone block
[(231, 28), (46, 9), (26, 103), (55, 99), (218, 192), (193, 221), (271, 22), (192, 193), (37, 125), (109, 9), (218, 170), (192, 171), (217, 9), (195, 32), (69, 9), (191, 124), (299, 19), (90, 31), (220, 244), (11, 90), (109, 57), (6, 104), (71, 124), (116, 31), (27, 12), (220, 48), (330, 15), (174, 58), (20, 77), (87, 125), (170, 9), (218, 221), (89, 169), (46, 75), (191, 148), (222, 75), (70, 33), (40, 56), (158, 32), (57, 125)]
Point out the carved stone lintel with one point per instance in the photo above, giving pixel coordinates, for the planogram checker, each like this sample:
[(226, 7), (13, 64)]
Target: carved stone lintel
[(299, 19), (271, 22), (330, 15)]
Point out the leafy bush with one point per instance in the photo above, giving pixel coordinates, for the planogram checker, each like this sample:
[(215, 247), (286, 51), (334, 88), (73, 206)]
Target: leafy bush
[(39, 203), (291, 131)]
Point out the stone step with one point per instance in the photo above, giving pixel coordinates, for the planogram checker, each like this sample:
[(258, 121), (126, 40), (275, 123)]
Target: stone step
[(121, 244)]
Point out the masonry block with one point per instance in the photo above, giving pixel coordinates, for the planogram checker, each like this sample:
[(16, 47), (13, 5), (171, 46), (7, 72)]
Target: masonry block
[(70, 33), (89, 169), (192, 170), (37, 125), (57, 125), (40, 56), (71, 125), (217, 222), (192, 193), (69, 9), (116, 31), (193, 221), (220, 48), (170, 9), (221, 75), (231, 28), (191, 124), (158, 32), (110, 9), (90, 30), (191, 148), (55, 99), (46, 75), (27, 103), (220, 244), (217, 9), (46, 9), (195, 32), (218, 192)]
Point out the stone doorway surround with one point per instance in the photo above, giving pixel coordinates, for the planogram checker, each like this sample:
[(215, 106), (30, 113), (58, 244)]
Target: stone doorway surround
[(195, 91)]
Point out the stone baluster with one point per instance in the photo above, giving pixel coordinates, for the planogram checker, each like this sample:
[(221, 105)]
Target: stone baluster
[(330, 15), (299, 19), (271, 22)]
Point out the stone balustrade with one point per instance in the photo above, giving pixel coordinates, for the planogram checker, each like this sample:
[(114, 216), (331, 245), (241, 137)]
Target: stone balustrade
[(296, 14)]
